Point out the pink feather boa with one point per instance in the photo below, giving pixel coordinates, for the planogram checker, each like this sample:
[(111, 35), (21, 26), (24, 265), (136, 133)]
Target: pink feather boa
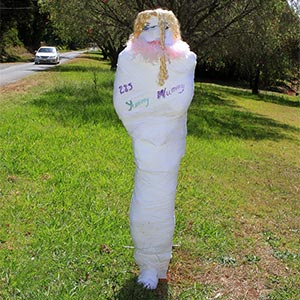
[(151, 52)]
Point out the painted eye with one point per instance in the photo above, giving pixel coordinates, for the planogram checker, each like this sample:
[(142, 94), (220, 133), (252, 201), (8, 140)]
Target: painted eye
[(147, 27)]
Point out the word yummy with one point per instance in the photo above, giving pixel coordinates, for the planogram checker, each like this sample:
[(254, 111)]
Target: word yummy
[(132, 104), (168, 92)]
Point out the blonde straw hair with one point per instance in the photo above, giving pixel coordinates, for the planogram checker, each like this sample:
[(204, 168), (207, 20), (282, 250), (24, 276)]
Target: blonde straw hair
[(165, 18)]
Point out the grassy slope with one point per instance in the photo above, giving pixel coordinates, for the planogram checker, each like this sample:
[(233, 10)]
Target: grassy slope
[(66, 176)]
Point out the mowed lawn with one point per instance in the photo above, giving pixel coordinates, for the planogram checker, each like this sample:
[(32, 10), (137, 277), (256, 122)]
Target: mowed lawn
[(66, 178)]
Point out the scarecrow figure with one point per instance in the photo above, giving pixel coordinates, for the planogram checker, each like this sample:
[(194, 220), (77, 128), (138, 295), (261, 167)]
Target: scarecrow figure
[(153, 88)]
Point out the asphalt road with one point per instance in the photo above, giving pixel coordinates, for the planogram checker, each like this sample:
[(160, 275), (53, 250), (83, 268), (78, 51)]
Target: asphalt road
[(12, 72)]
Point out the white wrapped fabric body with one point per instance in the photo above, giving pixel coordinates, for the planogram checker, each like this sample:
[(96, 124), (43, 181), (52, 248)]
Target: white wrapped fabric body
[(155, 117)]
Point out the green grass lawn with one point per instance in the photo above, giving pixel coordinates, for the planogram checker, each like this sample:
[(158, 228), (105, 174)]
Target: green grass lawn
[(66, 177)]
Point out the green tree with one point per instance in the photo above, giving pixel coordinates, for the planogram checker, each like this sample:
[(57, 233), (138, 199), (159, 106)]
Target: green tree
[(262, 48), (109, 22), (22, 23), (247, 36)]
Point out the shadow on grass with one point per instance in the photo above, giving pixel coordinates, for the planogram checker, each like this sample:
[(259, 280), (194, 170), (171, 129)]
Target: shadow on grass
[(95, 56), (270, 98), (79, 68), (133, 291), (80, 104), (210, 116)]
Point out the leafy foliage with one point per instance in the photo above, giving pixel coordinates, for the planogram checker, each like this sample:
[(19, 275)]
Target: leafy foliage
[(252, 39), (22, 24)]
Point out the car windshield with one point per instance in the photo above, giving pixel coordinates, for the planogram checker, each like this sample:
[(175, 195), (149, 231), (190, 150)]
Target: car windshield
[(50, 50)]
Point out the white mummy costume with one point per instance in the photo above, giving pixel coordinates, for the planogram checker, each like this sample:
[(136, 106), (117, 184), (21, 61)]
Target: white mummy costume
[(153, 88)]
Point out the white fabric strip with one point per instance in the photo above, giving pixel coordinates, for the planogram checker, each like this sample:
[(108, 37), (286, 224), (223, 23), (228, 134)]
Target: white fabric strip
[(155, 118)]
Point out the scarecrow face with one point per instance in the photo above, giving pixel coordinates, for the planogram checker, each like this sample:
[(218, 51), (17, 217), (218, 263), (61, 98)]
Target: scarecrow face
[(151, 31)]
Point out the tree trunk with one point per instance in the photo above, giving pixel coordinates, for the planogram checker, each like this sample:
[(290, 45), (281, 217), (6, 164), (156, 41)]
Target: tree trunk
[(104, 53), (113, 57), (255, 81)]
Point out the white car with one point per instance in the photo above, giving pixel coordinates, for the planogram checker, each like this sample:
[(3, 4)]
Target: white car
[(45, 54)]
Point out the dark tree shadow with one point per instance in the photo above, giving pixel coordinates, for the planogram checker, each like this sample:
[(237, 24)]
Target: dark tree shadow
[(95, 56), (277, 99), (263, 96), (79, 68), (80, 104), (211, 117), (134, 291), (74, 68)]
